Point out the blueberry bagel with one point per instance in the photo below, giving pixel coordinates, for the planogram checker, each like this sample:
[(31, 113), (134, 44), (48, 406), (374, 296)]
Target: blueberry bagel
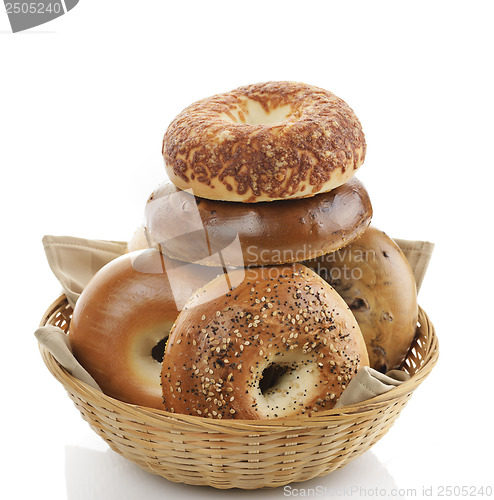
[(374, 278)]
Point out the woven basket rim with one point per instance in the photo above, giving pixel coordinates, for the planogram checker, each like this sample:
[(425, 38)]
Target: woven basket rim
[(68, 380)]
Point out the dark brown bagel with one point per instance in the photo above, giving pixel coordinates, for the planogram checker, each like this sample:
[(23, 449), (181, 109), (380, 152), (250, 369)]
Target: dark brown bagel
[(220, 233), (264, 142)]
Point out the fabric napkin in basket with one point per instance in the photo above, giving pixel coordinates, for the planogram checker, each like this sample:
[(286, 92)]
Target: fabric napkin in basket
[(74, 261)]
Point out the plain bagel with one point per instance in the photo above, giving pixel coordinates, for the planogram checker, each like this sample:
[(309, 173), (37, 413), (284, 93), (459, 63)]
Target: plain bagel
[(219, 233), (122, 320), (281, 343), (264, 142)]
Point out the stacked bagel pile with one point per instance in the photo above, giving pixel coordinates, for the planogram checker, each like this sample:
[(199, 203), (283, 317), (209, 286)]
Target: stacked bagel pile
[(264, 290)]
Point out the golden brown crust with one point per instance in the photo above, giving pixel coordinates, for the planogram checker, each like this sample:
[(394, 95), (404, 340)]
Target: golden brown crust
[(123, 313), (373, 276), (196, 229), (220, 148), (222, 348)]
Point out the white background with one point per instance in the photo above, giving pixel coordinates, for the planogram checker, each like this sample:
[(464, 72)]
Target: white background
[(85, 101)]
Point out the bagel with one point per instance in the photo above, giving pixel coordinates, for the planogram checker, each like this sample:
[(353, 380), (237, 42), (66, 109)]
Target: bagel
[(281, 343), (122, 320), (138, 241), (375, 279), (220, 233), (264, 142)]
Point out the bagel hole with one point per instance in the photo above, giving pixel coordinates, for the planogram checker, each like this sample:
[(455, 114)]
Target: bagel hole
[(257, 115), (272, 376), (158, 351), (251, 112)]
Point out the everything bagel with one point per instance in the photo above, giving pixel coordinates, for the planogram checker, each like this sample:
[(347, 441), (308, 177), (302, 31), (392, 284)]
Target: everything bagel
[(281, 343)]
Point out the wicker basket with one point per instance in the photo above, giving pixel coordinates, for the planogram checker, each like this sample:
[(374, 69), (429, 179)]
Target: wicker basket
[(239, 453)]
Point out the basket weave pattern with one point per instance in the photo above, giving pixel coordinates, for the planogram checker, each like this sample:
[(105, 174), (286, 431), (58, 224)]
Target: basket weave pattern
[(240, 453)]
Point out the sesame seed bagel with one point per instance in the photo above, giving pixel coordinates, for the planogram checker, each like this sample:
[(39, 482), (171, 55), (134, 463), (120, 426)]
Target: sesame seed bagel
[(281, 343), (214, 232), (264, 142), (122, 320)]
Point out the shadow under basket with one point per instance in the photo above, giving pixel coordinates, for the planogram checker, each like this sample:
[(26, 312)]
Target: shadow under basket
[(244, 454)]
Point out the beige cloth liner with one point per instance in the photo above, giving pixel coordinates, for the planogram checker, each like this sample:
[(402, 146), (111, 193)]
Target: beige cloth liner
[(368, 383), (57, 342), (75, 260), (418, 254)]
